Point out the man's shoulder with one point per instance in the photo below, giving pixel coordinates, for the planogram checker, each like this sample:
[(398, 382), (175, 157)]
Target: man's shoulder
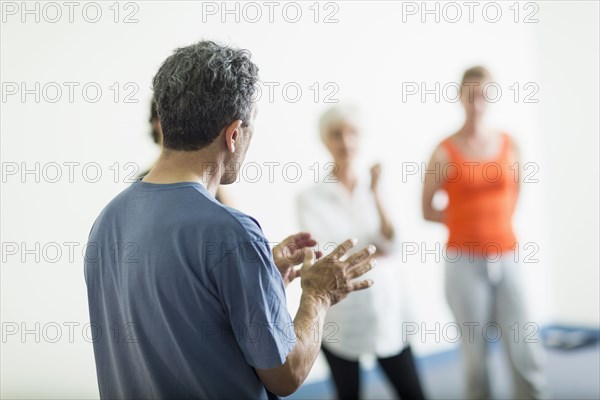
[(245, 227), (214, 219)]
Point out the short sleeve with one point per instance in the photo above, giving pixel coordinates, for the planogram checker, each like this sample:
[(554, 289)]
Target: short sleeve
[(252, 293)]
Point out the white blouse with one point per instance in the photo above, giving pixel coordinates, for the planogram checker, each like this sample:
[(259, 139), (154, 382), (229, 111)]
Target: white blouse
[(367, 321)]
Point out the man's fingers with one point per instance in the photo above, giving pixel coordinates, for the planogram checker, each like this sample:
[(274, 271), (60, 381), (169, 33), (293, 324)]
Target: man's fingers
[(360, 285), (302, 239), (296, 256), (298, 236), (307, 243), (342, 249), (298, 241), (294, 273), (305, 240), (361, 268), (309, 258), (361, 255)]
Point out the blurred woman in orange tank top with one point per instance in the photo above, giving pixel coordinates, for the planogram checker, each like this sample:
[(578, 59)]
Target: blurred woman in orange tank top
[(478, 168)]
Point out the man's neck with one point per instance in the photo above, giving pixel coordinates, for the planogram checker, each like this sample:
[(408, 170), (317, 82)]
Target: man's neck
[(186, 166)]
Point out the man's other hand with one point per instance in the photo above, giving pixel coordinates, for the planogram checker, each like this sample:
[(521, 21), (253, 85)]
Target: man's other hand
[(290, 252)]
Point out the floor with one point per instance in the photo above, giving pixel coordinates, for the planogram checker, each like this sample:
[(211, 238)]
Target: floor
[(572, 374)]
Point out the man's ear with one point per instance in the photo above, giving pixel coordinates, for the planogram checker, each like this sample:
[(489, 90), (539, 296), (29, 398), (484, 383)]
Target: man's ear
[(232, 134)]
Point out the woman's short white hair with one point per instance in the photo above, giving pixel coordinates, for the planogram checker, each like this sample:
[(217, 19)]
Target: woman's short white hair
[(336, 114)]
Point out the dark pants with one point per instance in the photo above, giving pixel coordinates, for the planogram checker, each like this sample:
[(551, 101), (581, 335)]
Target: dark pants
[(399, 369)]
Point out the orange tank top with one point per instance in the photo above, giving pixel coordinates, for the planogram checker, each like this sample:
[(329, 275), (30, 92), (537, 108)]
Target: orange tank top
[(481, 199)]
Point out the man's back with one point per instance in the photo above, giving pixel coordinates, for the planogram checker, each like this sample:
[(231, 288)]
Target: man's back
[(184, 297)]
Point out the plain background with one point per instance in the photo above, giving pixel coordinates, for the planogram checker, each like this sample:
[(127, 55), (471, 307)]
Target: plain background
[(367, 57)]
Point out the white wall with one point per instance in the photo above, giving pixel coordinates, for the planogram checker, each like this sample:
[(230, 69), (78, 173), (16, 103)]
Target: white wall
[(368, 54), (568, 72)]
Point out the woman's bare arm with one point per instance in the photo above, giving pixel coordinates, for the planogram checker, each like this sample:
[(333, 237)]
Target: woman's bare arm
[(433, 183)]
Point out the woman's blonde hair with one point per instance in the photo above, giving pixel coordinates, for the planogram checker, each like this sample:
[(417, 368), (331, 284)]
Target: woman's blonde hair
[(478, 73)]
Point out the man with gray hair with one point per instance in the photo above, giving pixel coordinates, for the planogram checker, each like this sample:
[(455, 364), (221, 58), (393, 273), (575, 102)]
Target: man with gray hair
[(186, 297)]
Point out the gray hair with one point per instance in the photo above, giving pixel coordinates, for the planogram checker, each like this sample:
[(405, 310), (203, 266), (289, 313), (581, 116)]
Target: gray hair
[(199, 90), (337, 114)]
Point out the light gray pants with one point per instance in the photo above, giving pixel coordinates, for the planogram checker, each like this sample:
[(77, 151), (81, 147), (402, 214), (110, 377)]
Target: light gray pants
[(486, 299)]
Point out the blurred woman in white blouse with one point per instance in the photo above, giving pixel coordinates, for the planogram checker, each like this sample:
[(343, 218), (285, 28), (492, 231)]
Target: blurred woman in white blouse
[(347, 203)]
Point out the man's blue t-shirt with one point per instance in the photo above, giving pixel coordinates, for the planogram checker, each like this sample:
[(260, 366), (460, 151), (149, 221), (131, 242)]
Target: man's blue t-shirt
[(184, 298)]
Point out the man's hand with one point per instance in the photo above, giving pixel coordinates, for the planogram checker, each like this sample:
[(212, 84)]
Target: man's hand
[(290, 252), (330, 279), (324, 283)]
